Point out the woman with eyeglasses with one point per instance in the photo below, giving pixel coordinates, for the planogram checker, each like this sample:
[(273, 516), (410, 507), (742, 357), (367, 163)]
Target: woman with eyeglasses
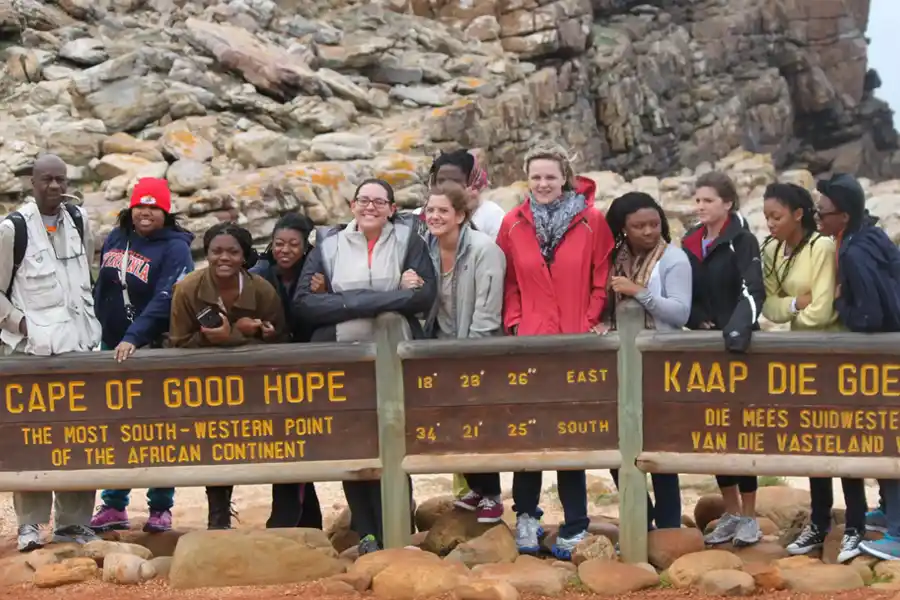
[(867, 301), (376, 264)]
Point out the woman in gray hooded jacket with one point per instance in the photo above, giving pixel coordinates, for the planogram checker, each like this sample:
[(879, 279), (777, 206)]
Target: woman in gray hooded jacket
[(470, 269)]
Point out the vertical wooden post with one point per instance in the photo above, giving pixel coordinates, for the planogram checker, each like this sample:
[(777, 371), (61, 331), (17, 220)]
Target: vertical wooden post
[(395, 505), (632, 482)]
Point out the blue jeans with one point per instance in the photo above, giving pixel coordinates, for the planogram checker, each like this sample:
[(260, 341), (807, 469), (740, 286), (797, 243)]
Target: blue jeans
[(890, 492), (666, 513), (572, 488), (157, 498)]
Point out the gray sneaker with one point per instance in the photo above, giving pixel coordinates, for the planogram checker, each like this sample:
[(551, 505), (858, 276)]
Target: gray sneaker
[(78, 534), (29, 538), (724, 531), (747, 532), (528, 530)]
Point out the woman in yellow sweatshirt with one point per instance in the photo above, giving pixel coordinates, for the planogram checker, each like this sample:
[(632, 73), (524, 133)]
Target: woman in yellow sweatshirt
[(800, 272)]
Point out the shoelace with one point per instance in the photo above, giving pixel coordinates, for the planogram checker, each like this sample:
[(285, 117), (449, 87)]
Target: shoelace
[(808, 534)]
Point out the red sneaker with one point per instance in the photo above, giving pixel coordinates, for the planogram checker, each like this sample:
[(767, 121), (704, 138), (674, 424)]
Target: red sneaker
[(489, 511), (468, 502)]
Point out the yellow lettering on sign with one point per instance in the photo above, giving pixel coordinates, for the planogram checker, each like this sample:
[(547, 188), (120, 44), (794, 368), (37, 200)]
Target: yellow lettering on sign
[(121, 395), (698, 380), (751, 442), (829, 443), (100, 456), (295, 388), (704, 440), (258, 451), (308, 426), (194, 392), (794, 379), (582, 427), (168, 454), (234, 428), (38, 436), (85, 434), (869, 380), (858, 419), (717, 417), (148, 432), (765, 417), (586, 376), (45, 397)]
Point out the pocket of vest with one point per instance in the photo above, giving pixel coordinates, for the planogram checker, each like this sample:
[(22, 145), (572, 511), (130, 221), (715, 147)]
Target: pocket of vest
[(40, 287)]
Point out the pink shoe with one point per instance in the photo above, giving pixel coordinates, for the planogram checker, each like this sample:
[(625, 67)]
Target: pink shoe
[(107, 519), (468, 502), (159, 521), (489, 511)]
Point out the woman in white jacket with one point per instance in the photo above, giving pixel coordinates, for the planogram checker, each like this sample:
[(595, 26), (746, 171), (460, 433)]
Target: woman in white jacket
[(470, 269)]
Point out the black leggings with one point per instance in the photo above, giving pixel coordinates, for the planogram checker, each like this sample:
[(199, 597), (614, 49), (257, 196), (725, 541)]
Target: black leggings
[(364, 500), (747, 484)]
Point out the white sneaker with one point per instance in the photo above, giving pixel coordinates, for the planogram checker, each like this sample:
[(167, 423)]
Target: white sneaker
[(78, 534), (527, 533), (29, 538), (850, 546)]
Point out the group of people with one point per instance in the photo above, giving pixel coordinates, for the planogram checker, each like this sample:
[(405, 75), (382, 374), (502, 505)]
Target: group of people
[(458, 268)]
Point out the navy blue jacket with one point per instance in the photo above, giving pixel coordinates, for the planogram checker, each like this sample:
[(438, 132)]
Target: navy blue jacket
[(869, 276), (300, 331), (155, 263)]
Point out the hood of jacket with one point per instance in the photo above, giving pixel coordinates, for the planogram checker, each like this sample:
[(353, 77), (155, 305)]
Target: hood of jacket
[(734, 226), (874, 243)]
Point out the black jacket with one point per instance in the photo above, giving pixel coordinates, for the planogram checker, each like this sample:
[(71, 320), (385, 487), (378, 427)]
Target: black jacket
[(869, 276), (323, 311), (728, 283), (300, 330)]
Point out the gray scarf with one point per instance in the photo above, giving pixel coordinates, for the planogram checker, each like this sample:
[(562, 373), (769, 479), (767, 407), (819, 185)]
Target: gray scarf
[(551, 221)]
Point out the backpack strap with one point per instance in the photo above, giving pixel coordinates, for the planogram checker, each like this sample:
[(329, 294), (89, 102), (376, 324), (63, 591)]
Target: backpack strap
[(19, 246), (77, 218)]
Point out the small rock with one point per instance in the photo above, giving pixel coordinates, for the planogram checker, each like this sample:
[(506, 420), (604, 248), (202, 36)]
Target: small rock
[(179, 142), (822, 578), (338, 588), (259, 148), (762, 552), (486, 590), (127, 569), (797, 562), (342, 146), (375, 562), (70, 570), (708, 509), (727, 582), (359, 581), (664, 546), (423, 95), (766, 577), (496, 545), (688, 569), (591, 547), (186, 176), (528, 575), (98, 550), (611, 578), (430, 510), (864, 571), (162, 565), (785, 506), (402, 581), (50, 555), (452, 529), (85, 52)]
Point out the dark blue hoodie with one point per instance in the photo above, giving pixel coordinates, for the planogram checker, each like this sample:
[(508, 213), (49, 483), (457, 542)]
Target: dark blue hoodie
[(155, 264), (869, 276)]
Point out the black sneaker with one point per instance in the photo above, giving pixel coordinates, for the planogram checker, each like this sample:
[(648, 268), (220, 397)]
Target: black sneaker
[(811, 538), (220, 508), (850, 545), (368, 545)]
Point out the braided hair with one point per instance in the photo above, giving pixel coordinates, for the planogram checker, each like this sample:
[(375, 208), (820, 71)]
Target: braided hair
[(628, 204), (461, 159), (793, 197), (241, 235)]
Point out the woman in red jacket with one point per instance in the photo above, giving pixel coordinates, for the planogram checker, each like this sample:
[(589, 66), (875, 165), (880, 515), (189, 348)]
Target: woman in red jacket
[(557, 248)]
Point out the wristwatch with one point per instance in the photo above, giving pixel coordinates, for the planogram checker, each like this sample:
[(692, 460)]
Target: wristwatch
[(794, 309)]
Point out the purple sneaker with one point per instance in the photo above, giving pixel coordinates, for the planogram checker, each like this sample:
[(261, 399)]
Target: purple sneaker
[(107, 519), (159, 521)]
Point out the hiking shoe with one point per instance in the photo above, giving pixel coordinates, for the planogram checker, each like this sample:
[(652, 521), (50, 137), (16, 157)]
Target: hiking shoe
[(489, 511), (367, 545), (811, 538), (876, 521), (468, 502), (159, 521), (724, 531), (887, 548), (77, 534), (747, 532), (29, 538), (108, 518), (528, 532), (564, 547), (850, 545)]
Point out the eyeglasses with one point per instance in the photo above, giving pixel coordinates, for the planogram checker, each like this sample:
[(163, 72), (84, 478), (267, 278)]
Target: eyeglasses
[(819, 214), (378, 202)]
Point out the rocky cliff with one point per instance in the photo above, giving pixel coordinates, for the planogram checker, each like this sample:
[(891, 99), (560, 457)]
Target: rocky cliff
[(255, 107)]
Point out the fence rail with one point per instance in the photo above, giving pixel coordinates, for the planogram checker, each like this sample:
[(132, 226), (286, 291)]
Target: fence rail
[(817, 404)]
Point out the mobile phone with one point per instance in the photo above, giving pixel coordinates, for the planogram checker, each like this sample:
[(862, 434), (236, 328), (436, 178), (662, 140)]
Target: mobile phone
[(210, 318)]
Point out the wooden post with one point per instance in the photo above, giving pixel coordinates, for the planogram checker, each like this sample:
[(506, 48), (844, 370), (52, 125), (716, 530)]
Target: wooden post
[(632, 482), (395, 505)]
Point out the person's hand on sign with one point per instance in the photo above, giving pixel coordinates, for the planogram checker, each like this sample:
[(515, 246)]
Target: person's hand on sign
[(803, 300), (218, 334), (411, 280), (707, 325), (268, 330), (124, 350), (249, 327), (624, 286), (317, 284), (600, 329)]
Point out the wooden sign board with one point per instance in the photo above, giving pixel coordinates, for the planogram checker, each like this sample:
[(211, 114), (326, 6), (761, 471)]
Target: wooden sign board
[(505, 404), (794, 405), (179, 416)]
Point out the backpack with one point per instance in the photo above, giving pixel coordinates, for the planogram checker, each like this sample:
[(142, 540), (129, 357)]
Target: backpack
[(21, 239)]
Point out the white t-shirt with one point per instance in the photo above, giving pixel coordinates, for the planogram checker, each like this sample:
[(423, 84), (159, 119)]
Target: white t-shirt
[(488, 217)]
